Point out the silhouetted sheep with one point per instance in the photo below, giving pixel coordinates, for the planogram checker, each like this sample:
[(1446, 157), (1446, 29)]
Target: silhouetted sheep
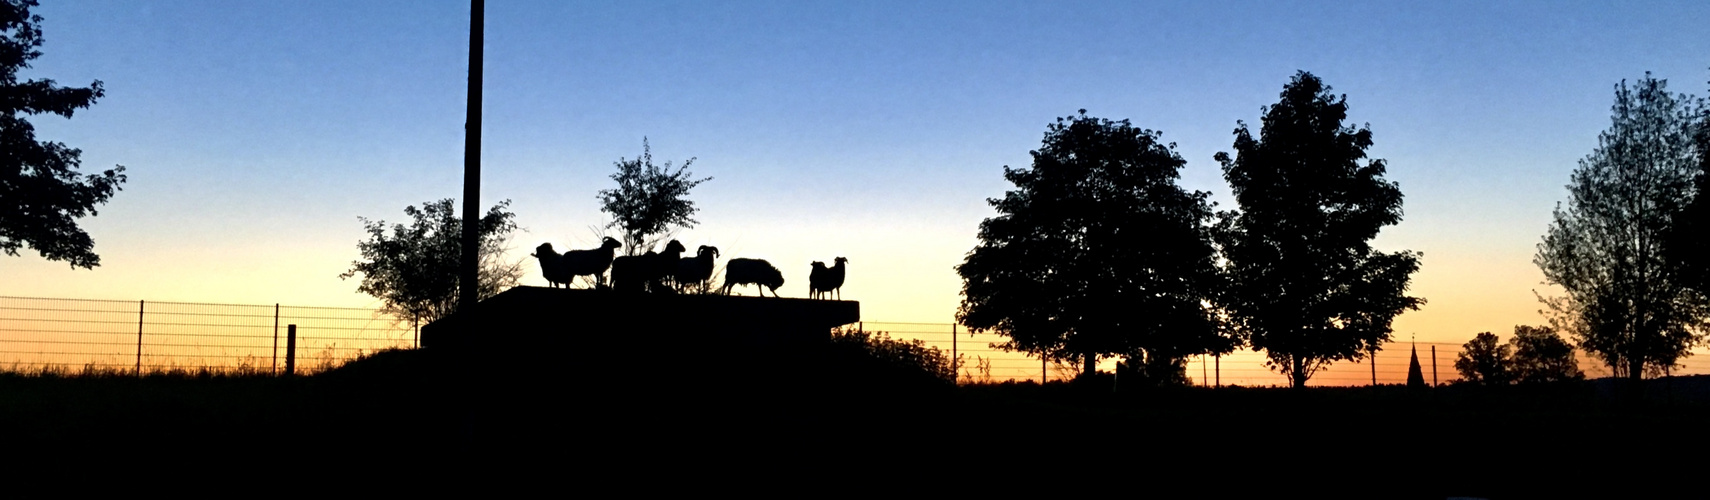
[(565, 268), (816, 278), (695, 269), (755, 271), (645, 272), (824, 280)]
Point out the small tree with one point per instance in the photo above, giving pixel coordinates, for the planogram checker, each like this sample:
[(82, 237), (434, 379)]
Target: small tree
[(1304, 284), (41, 192), (1625, 300), (413, 271), (1484, 360), (649, 200), (1540, 355)]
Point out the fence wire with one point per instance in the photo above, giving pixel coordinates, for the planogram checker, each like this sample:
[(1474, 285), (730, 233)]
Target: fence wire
[(147, 336), (981, 362)]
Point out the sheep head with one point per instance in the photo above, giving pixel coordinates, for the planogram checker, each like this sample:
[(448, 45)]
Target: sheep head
[(705, 249), (841, 260), (544, 250), (610, 244), (675, 246)]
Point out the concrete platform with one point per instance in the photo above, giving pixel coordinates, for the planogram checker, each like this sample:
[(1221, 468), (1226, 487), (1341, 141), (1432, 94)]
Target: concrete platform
[(558, 326)]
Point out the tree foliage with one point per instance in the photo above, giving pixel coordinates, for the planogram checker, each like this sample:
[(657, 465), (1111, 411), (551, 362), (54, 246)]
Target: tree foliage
[(41, 192), (1484, 360), (1540, 355), (413, 270), (649, 199), (1688, 242), (1535, 354), (1304, 284), (1625, 301), (1096, 252)]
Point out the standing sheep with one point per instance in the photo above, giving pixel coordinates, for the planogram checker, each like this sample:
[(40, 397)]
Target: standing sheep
[(817, 279), (825, 280), (565, 268), (755, 271), (646, 272), (697, 269)]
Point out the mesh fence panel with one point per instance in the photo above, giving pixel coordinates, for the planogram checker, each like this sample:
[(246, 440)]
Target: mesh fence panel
[(145, 336)]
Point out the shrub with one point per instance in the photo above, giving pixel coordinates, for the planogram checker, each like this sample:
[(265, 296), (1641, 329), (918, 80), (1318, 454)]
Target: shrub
[(905, 358)]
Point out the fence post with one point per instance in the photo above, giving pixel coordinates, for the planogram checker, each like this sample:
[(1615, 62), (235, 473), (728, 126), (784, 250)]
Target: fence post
[(954, 361), (290, 350), (275, 369), (1218, 362), (1433, 366), (1043, 375), (140, 305)]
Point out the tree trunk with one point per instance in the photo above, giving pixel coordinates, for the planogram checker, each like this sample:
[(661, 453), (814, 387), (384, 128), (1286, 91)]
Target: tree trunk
[(1089, 365), (1635, 369), (1299, 370)]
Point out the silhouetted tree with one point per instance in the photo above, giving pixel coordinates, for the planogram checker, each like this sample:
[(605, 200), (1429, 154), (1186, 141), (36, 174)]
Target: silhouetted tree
[(1304, 284), (413, 271), (1625, 302), (1484, 360), (1540, 355), (1688, 244), (41, 192), (1096, 253), (649, 199)]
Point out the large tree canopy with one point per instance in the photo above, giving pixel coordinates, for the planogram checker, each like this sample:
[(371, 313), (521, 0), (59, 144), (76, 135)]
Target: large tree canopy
[(41, 192), (1688, 244), (1625, 301), (1096, 252), (1304, 284)]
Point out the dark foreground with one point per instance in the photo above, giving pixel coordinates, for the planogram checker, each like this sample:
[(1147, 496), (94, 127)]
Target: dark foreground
[(842, 422)]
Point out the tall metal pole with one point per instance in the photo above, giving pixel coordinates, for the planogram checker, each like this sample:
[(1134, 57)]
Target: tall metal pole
[(469, 268)]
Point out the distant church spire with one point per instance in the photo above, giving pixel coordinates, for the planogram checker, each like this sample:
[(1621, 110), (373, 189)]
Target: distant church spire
[(1415, 376)]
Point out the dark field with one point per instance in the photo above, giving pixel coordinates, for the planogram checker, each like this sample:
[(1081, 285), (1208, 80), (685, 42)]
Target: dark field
[(441, 424)]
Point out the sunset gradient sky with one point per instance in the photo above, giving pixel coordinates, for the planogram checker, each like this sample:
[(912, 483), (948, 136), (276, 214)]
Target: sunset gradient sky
[(255, 133)]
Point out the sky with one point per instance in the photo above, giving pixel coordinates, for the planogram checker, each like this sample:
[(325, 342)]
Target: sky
[(254, 134)]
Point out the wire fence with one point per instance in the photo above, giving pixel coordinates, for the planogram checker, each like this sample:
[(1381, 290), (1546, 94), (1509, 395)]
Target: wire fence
[(983, 363), (149, 337)]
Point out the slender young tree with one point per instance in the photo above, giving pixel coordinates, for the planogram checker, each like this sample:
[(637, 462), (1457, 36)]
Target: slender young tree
[(1625, 301), (649, 200), (41, 192), (1303, 282), (1097, 252)]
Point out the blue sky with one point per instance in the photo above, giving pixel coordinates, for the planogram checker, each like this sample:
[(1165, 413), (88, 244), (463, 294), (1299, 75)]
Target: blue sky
[(255, 133)]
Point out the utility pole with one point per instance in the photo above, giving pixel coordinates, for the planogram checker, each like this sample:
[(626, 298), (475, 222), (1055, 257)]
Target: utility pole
[(469, 268)]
